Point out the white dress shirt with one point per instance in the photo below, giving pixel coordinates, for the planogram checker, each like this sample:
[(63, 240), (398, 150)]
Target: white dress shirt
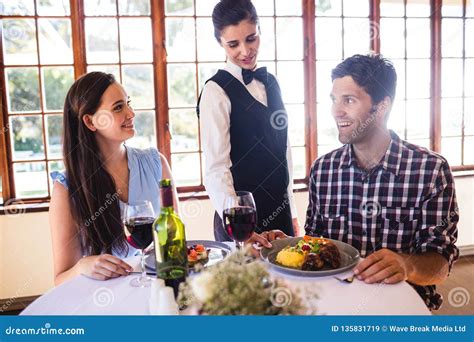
[(215, 109)]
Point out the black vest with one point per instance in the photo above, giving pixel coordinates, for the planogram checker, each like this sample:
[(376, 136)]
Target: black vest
[(258, 138)]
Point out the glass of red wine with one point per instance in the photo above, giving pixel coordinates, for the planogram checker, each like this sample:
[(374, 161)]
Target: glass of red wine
[(138, 218), (240, 217)]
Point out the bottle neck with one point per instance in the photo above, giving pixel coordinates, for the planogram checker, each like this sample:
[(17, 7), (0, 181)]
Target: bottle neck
[(166, 197), (167, 210)]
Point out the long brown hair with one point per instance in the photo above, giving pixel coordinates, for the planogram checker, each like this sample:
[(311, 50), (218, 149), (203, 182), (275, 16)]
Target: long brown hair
[(92, 191)]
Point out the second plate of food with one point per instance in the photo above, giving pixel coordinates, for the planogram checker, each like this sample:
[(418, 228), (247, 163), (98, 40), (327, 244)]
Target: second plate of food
[(204, 252), (310, 257)]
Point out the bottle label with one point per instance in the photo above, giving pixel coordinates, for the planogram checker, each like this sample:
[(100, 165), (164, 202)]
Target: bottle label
[(171, 272)]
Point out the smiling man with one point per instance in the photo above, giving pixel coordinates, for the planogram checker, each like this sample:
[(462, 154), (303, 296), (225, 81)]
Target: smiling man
[(393, 201)]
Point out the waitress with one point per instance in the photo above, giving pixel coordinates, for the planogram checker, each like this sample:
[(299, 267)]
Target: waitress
[(244, 126)]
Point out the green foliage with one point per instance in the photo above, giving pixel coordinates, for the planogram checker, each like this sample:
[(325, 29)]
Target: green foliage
[(138, 83), (23, 89), (145, 124), (184, 123), (27, 134), (323, 5), (57, 82), (182, 86), (174, 6), (55, 128), (137, 7)]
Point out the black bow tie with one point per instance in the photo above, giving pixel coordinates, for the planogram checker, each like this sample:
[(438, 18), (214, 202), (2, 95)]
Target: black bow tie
[(260, 74)]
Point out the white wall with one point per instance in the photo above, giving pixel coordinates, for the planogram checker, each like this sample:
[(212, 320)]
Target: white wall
[(25, 244), (25, 255)]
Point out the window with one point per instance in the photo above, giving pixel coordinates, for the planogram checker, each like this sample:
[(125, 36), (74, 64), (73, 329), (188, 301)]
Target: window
[(113, 46), (342, 30), (37, 72), (46, 44), (405, 39), (193, 56), (457, 87)]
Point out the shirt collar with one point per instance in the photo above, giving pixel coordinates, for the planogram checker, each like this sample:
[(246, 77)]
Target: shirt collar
[(346, 157), (234, 70), (391, 161), (393, 156)]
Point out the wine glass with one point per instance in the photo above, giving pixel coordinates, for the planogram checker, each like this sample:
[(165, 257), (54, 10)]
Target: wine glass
[(138, 218), (240, 217)]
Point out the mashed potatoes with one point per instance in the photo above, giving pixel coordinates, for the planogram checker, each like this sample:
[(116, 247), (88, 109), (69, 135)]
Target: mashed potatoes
[(289, 258)]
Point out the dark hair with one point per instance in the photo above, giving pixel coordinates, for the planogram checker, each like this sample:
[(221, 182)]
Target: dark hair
[(375, 74), (95, 208), (232, 12)]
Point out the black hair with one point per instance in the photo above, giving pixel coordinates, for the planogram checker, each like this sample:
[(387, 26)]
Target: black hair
[(232, 12), (375, 74)]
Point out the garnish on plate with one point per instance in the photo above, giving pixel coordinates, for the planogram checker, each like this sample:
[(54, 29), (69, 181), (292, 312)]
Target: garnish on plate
[(197, 254)]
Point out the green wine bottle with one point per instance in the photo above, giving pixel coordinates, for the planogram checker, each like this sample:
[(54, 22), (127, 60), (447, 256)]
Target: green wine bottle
[(170, 241)]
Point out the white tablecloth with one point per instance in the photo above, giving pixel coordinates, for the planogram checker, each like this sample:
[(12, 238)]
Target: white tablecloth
[(85, 296)]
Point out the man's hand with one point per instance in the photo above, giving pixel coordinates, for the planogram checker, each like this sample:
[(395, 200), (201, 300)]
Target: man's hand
[(384, 266)]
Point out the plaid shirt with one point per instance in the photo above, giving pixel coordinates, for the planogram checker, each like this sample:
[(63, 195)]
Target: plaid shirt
[(407, 203)]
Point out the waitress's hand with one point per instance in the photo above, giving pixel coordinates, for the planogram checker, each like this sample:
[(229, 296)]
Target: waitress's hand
[(256, 242), (263, 240), (296, 226), (272, 235), (103, 267)]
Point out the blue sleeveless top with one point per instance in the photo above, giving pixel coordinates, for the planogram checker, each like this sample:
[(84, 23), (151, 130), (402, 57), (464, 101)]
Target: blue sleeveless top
[(145, 173)]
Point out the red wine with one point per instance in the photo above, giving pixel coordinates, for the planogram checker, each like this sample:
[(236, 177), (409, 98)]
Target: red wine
[(141, 232), (240, 222)]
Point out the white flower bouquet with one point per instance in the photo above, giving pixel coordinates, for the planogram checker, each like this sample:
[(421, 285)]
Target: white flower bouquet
[(241, 285)]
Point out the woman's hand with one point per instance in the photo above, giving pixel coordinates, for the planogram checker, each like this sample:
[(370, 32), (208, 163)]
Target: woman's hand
[(258, 241), (103, 267), (272, 235)]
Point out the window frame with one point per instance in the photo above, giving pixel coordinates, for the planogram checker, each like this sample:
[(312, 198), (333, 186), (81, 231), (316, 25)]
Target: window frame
[(157, 9), (6, 160)]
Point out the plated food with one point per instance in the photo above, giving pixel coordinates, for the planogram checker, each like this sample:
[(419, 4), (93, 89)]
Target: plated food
[(197, 253), (200, 253), (310, 257), (310, 254)]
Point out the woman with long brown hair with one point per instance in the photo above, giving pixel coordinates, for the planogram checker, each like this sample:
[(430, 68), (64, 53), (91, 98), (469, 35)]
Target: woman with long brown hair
[(101, 175)]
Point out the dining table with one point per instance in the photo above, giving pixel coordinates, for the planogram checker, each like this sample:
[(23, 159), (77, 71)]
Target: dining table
[(85, 296)]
